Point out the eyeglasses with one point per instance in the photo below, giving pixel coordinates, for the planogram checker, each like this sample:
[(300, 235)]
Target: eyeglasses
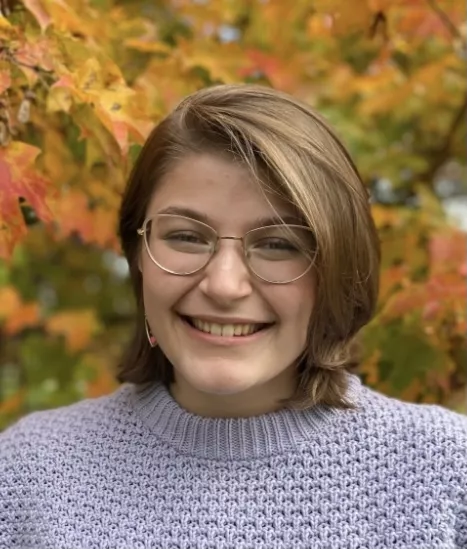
[(278, 254)]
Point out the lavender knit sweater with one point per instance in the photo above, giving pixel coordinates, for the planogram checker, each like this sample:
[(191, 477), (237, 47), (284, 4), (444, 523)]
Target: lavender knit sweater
[(135, 470)]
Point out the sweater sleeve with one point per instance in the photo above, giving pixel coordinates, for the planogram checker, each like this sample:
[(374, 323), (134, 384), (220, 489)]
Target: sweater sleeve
[(461, 527), (460, 465), (19, 494)]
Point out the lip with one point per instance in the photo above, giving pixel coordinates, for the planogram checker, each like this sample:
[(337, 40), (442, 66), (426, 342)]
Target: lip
[(223, 340)]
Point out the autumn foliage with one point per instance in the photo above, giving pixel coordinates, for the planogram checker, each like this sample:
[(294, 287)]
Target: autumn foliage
[(82, 82)]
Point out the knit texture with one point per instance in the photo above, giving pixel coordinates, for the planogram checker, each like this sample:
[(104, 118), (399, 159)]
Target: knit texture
[(135, 470)]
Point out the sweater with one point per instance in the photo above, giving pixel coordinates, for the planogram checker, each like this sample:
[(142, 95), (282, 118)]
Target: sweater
[(134, 470)]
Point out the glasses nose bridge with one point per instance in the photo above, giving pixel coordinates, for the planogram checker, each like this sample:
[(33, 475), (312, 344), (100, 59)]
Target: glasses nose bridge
[(230, 238), (215, 250), (238, 238)]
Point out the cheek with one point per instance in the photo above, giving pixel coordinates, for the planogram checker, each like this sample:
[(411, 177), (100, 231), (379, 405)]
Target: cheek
[(162, 291), (295, 304), (155, 286)]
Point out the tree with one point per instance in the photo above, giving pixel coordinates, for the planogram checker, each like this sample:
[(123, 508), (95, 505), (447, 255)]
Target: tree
[(82, 82)]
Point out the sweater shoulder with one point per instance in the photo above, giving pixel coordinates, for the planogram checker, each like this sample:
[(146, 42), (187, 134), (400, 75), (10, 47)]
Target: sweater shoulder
[(414, 423), (41, 430)]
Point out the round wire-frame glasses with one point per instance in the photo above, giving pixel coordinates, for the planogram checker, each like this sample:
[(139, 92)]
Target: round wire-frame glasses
[(307, 253)]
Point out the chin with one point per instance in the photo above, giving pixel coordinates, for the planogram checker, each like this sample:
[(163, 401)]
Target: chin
[(227, 381)]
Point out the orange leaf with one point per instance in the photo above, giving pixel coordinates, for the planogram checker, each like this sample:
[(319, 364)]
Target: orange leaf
[(385, 217), (18, 315), (370, 369), (9, 236), (103, 381), (405, 301), (19, 178), (26, 316), (10, 301), (447, 252), (74, 216), (5, 80), (390, 278), (13, 404), (77, 327)]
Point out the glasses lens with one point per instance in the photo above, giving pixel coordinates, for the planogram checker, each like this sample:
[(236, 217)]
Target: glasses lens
[(179, 244), (280, 253)]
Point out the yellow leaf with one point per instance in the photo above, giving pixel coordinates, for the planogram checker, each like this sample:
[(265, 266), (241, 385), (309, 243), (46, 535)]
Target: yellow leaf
[(346, 15), (385, 217), (65, 18), (6, 29), (147, 46), (77, 327), (59, 99)]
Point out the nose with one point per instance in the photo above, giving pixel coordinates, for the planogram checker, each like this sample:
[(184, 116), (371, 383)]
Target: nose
[(226, 277)]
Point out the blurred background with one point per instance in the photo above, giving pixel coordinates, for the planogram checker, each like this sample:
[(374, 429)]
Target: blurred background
[(82, 82)]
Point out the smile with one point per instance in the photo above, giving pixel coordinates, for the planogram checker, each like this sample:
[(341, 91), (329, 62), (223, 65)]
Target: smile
[(224, 330)]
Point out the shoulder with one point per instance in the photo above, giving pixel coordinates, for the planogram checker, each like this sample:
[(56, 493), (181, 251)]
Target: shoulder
[(427, 418), (427, 430), (41, 431)]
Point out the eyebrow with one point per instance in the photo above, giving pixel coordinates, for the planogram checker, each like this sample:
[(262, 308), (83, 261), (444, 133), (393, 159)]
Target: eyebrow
[(259, 222)]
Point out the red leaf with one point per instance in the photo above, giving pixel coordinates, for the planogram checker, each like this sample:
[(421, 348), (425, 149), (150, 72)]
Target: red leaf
[(19, 178)]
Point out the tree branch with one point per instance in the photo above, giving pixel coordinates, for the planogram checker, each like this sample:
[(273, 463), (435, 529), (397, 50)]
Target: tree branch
[(439, 156)]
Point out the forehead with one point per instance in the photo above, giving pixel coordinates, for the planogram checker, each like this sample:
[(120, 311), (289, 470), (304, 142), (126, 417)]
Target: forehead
[(220, 189)]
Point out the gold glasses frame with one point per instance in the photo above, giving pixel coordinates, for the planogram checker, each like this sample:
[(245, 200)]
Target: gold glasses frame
[(142, 231)]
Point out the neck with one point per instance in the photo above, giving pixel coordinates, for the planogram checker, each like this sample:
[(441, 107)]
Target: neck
[(252, 401)]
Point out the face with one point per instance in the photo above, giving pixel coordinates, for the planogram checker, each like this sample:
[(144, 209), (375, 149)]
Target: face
[(225, 375)]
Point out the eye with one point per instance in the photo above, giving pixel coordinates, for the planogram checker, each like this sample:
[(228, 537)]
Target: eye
[(275, 244), (186, 236)]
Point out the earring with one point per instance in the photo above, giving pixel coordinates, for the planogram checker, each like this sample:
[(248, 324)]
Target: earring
[(151, 338)]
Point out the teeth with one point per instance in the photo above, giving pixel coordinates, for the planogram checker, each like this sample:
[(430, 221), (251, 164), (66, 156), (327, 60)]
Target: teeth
[(238, 330), (226, 330)]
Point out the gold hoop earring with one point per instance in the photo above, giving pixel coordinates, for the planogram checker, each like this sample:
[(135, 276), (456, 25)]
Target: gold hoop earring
[(151, 338)]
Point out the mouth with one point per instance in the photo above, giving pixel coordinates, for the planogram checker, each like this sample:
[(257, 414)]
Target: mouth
[(225, 330)]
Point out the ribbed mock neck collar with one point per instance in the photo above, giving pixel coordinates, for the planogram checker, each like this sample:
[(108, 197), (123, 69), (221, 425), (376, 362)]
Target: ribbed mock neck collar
[(233, 438)]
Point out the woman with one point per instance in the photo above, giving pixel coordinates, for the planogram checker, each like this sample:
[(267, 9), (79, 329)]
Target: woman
[(239, 422)]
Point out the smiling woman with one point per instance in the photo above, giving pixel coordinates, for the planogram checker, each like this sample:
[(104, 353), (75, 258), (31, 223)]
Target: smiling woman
[(253, 165), (240, 422)]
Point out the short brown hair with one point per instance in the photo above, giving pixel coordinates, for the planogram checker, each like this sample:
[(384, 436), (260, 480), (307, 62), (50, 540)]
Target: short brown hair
[(289, 147)]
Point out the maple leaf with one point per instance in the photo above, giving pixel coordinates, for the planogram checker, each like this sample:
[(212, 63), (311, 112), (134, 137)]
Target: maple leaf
[(17, 315), (76, 326), (104, 89), (19, 178), (74, 216)]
